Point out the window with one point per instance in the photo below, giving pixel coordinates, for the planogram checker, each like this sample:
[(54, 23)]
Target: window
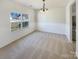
[(18, 21), (15, 26), (24, 24)]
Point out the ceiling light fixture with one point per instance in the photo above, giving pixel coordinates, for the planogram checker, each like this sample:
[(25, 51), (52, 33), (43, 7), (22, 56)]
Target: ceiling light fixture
[(44, 8)]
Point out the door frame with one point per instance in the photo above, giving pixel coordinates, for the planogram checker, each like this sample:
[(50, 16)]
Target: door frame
[(76, 1)]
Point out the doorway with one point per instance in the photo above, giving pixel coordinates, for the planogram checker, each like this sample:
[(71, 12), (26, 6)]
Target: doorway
[(74, 25)]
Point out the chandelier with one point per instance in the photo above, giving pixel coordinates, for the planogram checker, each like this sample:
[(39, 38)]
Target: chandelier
[(44, 8)]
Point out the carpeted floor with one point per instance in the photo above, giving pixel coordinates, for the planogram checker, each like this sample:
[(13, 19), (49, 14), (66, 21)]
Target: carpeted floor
[(39, 45)]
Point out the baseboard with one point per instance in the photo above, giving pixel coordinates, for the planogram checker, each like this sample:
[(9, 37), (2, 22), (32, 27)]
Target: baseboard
[(52, 32)]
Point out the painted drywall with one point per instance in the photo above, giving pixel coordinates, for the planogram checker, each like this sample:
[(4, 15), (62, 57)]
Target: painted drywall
[(6, 36), (52, 20)]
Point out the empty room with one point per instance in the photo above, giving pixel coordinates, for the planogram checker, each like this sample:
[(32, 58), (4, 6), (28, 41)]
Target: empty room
[(38, 29)]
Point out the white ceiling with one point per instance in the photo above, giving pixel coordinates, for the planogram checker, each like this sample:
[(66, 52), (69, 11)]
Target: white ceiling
[(37, 4)]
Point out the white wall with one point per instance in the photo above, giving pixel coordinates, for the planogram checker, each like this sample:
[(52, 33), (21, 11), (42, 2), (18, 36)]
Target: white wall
[(52, 21), (6, 36)]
